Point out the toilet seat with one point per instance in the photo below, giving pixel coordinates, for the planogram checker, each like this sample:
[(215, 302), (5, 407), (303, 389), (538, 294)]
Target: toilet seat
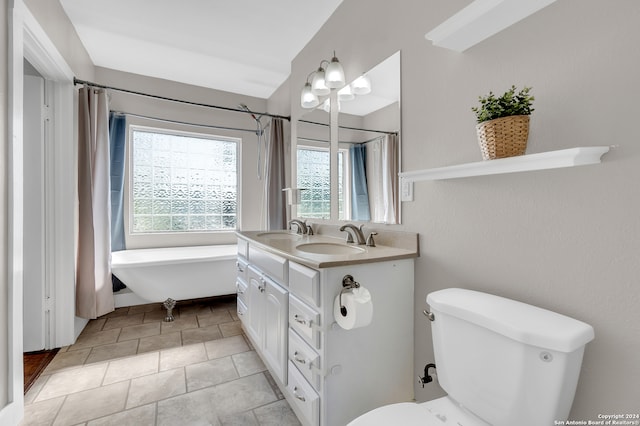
[(438, 412)]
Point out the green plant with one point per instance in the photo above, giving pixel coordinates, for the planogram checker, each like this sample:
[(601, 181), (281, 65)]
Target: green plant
[(511, 103)]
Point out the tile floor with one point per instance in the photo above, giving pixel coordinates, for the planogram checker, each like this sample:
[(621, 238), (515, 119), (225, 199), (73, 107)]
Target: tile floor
[(131, 368)]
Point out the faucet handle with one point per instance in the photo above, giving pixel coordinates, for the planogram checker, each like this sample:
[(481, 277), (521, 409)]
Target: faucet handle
[(309, 230), (370, 241)]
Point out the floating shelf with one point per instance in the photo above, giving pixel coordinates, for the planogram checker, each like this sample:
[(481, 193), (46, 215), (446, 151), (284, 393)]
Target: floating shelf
[(480, 20), (545, 160)]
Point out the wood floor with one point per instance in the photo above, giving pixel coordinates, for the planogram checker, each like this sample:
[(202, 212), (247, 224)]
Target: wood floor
[(34, 364)]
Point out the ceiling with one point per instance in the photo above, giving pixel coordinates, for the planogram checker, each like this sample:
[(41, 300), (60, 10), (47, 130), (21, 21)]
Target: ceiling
[(239, 46)]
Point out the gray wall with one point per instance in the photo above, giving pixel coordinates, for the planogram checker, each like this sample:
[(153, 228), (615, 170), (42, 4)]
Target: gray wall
[(251, 187), (568, 239)]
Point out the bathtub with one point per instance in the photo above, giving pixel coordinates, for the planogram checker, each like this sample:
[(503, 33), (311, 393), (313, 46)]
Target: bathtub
[(177, 273)]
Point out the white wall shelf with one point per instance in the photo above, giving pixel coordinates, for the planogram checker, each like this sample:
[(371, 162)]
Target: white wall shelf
[(480, 20), (545, 160)]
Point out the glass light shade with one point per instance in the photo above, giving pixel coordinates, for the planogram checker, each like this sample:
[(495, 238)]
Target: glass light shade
[(334, 75), (318, 85), (326, 105), (345, 94), (362, 85), (307, 98)]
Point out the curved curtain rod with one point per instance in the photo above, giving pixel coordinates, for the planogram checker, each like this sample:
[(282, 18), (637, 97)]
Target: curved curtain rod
[(209, 126), (350, 128), (164, 98)]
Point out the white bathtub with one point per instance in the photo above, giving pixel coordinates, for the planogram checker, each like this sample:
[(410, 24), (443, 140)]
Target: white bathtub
[(179, 273)]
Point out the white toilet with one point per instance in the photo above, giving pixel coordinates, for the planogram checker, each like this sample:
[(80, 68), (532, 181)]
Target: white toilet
[(502, 363)]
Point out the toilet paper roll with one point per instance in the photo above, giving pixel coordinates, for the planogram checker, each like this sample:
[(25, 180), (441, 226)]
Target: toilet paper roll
[(358, 309)]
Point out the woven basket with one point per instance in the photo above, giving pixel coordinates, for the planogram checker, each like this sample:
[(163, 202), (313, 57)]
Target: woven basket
[(503, 137)]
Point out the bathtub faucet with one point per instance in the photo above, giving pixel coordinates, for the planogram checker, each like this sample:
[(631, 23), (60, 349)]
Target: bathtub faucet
[(301, 226)]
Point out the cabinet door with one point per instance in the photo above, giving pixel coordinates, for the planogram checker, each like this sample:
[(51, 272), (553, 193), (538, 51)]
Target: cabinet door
[(276, 316), (255, 306)]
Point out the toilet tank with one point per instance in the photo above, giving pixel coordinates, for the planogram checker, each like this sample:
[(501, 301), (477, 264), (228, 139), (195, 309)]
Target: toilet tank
[(505, 361)]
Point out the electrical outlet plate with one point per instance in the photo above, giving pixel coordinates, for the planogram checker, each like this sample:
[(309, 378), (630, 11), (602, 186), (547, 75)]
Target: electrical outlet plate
[(407, 190)]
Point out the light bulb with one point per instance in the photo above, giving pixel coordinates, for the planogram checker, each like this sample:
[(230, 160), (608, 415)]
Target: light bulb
[(362, 85), (318, 85), (307, 98), (345, 94), (334, 75)]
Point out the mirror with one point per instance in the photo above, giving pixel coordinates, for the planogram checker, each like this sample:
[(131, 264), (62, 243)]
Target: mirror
[(367, 152)]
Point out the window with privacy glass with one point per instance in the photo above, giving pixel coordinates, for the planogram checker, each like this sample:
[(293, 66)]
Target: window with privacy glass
[(183, 182), (314, 178)]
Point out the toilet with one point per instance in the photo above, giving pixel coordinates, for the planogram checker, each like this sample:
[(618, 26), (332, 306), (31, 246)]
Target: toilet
[(501, 362)]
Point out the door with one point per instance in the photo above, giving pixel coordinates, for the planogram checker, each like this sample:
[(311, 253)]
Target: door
[(34, 132), (255, 306), (276, 317)]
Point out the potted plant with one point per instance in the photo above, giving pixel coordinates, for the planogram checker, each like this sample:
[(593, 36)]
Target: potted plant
[(503, 123)]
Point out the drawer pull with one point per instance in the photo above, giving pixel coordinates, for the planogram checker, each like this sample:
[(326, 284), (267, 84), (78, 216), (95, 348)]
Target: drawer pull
[(238, 288), (239, 267), (297, 395), (261, 288), (299, 360), (299, 320)]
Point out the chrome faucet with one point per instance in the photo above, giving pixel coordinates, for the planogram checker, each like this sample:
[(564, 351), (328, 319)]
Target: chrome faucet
[(357, 232), (301, 226)]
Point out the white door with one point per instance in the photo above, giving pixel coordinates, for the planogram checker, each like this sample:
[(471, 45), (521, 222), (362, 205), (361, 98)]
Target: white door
[(34, 316), (276, 317)]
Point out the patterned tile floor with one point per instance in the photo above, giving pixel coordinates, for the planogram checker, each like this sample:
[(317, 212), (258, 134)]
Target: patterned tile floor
[(131, 368)]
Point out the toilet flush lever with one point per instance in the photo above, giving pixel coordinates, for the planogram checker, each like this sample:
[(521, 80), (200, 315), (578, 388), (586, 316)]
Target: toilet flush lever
[(427, 377), (429, 315)]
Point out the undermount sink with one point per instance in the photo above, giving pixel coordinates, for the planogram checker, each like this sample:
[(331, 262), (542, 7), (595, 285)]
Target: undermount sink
[(329, 248), (282, 235)]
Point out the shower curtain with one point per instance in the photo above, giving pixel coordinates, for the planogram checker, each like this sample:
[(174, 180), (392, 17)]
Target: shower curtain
[(94, 295), (359, 193), (382, 179), (275, 178)]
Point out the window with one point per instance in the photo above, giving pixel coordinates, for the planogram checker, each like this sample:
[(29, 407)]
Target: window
[(182, 182), (313, 177)]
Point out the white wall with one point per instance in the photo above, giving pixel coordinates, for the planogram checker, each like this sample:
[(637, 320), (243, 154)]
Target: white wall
[(4, 142), (567, 240)]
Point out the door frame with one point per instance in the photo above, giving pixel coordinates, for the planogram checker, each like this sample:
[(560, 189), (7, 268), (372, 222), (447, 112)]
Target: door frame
[(27, 39)]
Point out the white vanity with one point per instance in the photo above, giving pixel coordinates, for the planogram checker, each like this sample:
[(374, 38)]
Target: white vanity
[(287, 284)]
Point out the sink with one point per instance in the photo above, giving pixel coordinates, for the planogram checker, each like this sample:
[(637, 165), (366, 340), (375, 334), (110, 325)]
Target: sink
[(282, 235), (329, 248)]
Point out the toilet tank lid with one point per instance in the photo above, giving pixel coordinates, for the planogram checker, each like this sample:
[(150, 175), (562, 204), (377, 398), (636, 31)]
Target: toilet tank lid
[(519, 321)]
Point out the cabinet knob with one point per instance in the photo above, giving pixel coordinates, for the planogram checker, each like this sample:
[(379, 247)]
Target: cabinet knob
[(261, 288), (299, 360), (297, 395), (299, 320)]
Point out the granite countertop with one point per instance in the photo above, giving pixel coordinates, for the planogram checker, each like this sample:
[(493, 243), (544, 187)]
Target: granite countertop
[(391, 246)]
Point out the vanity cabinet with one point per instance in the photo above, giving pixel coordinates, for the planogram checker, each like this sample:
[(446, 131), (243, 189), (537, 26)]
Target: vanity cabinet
[(263, 306), (330, 375)]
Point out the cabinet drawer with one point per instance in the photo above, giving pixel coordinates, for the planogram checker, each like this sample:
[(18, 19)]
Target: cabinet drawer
[(241, 290), (243, 248), (242, 312), (305, 321), (305, 399), (241, 268), (305, 283), (272, 265), (306, 360)]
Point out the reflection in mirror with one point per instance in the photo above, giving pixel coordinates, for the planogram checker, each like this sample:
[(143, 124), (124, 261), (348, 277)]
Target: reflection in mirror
[(368, 152), (369, 127), (313, 165)]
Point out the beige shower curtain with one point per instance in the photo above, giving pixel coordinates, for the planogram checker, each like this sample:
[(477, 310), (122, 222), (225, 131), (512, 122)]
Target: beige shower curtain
[(382, 179), (94, 293)]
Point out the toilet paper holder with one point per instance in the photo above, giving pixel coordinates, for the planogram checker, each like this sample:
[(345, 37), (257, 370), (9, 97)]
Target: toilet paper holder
[(348, 283)]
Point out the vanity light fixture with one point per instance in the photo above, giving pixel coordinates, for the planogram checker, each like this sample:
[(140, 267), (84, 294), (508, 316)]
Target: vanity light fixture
[(324, 79), (308, 99), (346, 94), (361, 85)]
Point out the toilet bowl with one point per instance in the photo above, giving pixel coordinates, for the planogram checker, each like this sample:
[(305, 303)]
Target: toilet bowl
[(493, 357)]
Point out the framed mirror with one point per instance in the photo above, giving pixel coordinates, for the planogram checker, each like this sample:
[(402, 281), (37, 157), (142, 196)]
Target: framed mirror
[(366, 151)]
